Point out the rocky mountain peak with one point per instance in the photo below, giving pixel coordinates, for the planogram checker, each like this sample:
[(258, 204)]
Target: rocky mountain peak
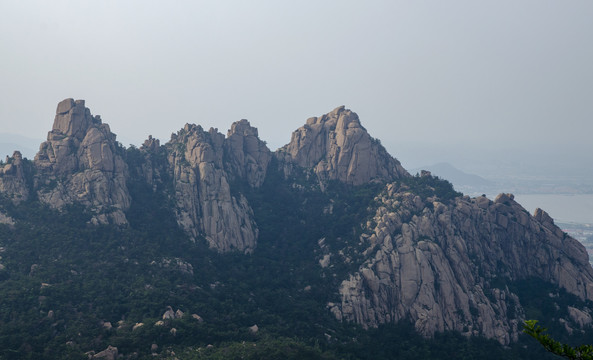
[(81, 163), (151, 144), (12, 178), (338, 147), (205, 205), (249, 156), (72, 119)]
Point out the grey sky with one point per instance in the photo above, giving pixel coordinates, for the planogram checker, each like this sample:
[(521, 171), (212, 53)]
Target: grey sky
[(459, 75)]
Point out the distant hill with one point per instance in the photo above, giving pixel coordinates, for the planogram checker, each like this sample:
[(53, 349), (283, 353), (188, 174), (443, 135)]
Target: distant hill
[(457, 177), (11, 142)]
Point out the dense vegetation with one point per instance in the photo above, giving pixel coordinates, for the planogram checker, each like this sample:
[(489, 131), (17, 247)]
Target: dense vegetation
[(64, 280)]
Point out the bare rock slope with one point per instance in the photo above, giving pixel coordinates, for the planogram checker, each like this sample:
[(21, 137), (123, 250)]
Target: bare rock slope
[(13, 181), (201, 180), (337, 147), (81, 163), (435, 263)]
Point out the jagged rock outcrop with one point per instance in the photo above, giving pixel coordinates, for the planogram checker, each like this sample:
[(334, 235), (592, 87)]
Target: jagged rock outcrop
[(205, 205), (248, 156), (111, 353), (434, 262), (5, 219), (337, 147), (81, 163), (153, 167), (12, 178)]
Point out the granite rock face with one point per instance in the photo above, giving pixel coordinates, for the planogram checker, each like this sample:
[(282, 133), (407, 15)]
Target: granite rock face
[(435, 264), (337, 147), (205, 205), (13, 181), (201, 166), (248, 156), (81, 163)]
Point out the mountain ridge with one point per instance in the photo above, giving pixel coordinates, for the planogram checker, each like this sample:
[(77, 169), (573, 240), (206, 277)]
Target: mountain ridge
[(411, 248)]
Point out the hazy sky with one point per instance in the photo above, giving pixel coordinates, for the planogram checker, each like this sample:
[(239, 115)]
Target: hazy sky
[(460, 75)]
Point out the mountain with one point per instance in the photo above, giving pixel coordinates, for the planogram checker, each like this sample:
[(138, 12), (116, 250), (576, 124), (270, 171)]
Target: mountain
[(325, 248), (460, 179), (11, 142)]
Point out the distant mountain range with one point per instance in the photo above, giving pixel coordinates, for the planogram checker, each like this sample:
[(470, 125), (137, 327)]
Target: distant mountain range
[(456, 176), (11, 142)]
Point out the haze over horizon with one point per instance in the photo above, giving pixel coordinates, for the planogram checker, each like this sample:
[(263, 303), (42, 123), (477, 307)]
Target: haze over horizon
[(455, 81)]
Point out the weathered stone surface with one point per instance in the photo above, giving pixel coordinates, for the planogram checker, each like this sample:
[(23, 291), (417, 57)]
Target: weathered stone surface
[(13, 182), (72, 119), (151, 144), (169, 314), (81, 163), (434, 265), (339, 148), (177, 264), (581, 317), (111, 353), (205, 204), (6, 220), (202, 165), (64, 106), (248, 156)]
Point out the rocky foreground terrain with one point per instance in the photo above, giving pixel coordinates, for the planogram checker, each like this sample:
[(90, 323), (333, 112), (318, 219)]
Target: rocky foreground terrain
[(416, 252)]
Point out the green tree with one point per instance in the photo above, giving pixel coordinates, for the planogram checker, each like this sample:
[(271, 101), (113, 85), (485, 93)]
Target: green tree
[(582, 352)]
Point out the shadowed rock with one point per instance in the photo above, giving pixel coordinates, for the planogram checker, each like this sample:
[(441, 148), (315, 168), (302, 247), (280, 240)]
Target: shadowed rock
[(12, 178), (248, 155)]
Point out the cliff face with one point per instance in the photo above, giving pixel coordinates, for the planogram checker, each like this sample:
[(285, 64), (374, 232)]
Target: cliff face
[(202, 191), (13, 178), (337, 147), (81, 163), (436, 262), (248, 156)]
